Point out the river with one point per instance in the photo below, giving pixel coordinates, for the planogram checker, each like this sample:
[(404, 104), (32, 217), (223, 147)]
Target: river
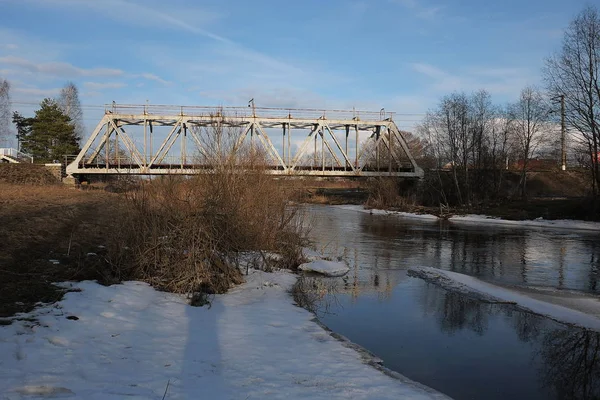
[(457, 345)]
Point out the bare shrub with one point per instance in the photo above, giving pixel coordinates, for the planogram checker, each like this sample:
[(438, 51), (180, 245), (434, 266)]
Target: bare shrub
[(184, 235), (385, 193), (317, 295)]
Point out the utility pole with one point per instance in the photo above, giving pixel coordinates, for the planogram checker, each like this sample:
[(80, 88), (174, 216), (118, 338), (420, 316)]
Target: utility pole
[(251, 104), (563, 144)]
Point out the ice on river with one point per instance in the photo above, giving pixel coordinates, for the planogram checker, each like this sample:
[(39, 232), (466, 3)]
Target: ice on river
[(486, 220), (374, 211), (583, 310), (131, 341), (327, 268), (539, 222)]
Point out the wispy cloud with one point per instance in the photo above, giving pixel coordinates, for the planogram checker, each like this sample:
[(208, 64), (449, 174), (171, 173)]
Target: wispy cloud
[(96, 86), (284, 97), (506, 81), (143, 13), (407, 3), (419, 9), (191, 19), (36, 92), (59, 69), (152, 77), (430, 12)]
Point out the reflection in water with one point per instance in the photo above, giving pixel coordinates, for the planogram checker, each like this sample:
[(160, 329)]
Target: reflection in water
[(443, 339), (528, 326), (569, 359), (571, 364), (454, 312), (516, 256), (594, 269)]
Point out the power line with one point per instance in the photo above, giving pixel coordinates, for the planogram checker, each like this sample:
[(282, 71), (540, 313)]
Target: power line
[(104, 106)]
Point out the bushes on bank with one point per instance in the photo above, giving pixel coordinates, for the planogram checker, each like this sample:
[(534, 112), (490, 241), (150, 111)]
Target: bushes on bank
[(186, 235)]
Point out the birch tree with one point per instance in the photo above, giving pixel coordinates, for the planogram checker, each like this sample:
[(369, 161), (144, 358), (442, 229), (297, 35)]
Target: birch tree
[(4, 112), (68, 101)]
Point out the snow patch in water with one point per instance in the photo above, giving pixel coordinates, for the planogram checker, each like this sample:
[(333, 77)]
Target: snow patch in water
[(374, 211), (327, 268), (497, 294)]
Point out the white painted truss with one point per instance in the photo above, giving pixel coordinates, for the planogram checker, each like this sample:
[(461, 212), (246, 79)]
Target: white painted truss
[(309, 142)]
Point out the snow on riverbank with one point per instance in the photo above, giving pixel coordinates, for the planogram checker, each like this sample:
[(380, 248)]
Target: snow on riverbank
[(485, 220), (542, 223), (493, 293), (132, 341), (374, 211)]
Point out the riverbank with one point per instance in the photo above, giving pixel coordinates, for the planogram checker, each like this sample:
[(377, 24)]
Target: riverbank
[(131, 340), (550, 195), (480, 220)]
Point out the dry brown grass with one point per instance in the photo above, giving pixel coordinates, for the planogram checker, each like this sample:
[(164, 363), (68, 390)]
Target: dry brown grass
[(26, 174), (385, 193), (40, 223)]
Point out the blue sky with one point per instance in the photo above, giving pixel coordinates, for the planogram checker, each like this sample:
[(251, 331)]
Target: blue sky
[(402, 55)]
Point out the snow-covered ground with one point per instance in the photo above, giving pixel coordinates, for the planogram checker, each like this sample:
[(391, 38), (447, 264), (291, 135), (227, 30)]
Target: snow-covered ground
[(583, 311), (130, 341), (485, 220)]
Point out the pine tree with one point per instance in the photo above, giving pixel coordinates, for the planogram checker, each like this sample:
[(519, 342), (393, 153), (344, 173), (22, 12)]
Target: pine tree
[(52, 134), (23, 125)]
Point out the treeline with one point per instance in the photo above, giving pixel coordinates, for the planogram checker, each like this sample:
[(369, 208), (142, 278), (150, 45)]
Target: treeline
[(472, 140), (476, 140), (53, 132)]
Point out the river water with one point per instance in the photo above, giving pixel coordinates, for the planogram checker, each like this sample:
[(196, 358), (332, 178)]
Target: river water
[(460, 346)]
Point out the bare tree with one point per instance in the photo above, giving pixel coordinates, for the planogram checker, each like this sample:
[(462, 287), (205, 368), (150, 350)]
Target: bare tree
[(69, 103), (529, 115), (450, 124), (470, 138), (5, 116), (501, 142), (574, 72), (385, 156), (482, 118)]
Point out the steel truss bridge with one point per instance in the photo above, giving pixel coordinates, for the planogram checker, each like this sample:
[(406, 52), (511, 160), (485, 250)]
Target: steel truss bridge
[(158, 140)]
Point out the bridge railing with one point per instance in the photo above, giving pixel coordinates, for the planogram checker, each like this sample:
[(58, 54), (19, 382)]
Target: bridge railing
[(8, 152), (16, 154), (248, 112)]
